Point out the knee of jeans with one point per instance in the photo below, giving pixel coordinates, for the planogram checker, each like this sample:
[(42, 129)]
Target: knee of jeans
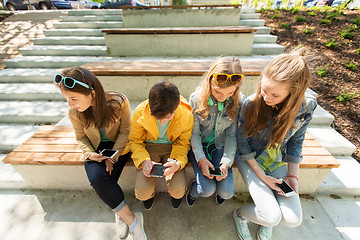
[(97, 180), (295, 221), (272, 217), (207, 190), (225, 194)]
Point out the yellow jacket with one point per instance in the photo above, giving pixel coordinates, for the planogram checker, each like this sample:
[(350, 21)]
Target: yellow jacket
[(89, 138), (144, 127)]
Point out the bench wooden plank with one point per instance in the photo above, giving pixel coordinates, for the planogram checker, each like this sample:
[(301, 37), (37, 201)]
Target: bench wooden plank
[(56, 145), (169, 68), (181, 30), (185, 6)]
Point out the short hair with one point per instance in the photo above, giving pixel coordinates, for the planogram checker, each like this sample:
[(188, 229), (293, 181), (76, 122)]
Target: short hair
[(164, 98)]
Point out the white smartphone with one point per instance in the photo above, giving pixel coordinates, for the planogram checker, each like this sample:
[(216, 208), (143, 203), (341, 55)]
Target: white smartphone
[(109, 153), (286, 189)]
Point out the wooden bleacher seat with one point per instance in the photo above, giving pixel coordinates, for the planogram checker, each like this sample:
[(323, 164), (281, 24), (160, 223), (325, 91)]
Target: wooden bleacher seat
[(184, 6), (56, 145)]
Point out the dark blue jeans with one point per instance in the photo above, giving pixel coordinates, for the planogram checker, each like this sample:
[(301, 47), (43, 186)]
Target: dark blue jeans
[(106, 185), (206, 187)]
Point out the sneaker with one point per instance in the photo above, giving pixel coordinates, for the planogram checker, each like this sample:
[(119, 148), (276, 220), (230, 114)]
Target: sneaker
[(148, 204), (219, 200), (264, 233), (190, 200), (175, 202), (241, 227), (121, 227), (139, 233)]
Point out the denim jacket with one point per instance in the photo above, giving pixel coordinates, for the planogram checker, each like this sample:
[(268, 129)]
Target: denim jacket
[(226, 130), (291, 147)]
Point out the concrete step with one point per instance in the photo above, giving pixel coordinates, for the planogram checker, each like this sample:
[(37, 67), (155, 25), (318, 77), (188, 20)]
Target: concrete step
[(61, 62), (246, 16), (333, 141), (265, 38), (64, 50), (267, 49), (99, 24), (262, 30), (13, 135), (245, 9), (97, 12), (30, 92), (252, 22), (321, 117), (91, 18), (34, 112), (344, 180), (73, 32), (26, 75), (9, 178), (70, 40)]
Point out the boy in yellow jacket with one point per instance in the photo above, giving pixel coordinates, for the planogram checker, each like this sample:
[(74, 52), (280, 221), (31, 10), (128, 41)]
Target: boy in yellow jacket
[(160, 134)]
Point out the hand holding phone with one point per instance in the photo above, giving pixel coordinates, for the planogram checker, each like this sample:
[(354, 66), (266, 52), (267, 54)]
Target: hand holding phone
[(216, 172), (286, 189), (109, 153)]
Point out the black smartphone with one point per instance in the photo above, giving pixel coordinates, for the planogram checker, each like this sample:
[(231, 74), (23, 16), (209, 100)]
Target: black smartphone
[(216, 172), (286, 189), (157, 170), (109, 153)]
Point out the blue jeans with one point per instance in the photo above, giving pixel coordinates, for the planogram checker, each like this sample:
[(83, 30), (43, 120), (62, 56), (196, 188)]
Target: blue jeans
[(206, 187), (106, 185)]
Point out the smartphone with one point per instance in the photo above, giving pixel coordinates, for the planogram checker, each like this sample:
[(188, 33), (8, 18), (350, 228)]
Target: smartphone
[(109, 153), (286, 189), (157, 170), (216, 172)]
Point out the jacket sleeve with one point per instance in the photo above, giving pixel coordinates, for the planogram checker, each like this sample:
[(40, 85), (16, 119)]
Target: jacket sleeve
[(181, 145), (295, 143), (124, 128), (244, 148), (230, 145), (83, 141), (196, 137), (137, 138)]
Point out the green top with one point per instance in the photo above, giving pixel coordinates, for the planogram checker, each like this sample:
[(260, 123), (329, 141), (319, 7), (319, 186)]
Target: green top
[(162, 133), (271, 158), (103, 137)]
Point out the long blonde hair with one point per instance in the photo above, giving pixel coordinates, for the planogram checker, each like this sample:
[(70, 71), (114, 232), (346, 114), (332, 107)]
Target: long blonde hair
[(228, 65), (293, 70)]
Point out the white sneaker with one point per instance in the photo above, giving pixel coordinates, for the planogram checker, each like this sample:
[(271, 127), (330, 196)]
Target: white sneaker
[(242, 228), (121, 227), (139, 233), (264, 233)]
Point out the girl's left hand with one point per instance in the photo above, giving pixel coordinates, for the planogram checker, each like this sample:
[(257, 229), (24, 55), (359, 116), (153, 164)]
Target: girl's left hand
[(224, 169), (171, 167), (109, 165), (292, 183)]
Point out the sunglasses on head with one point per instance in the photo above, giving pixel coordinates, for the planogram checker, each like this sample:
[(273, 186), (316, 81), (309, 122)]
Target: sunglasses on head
[(222, 78), (69, 82)]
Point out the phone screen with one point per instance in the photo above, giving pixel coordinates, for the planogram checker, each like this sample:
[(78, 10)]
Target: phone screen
[(108, 152), (157, 170), (215, 172), (285, 187)]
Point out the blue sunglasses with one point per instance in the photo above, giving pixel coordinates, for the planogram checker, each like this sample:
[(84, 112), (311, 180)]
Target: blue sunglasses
[(69, 82)]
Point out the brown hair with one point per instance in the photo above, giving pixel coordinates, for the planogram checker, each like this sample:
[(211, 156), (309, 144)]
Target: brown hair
[(223, 64), (106, 109), (164, 98), (293, 70)]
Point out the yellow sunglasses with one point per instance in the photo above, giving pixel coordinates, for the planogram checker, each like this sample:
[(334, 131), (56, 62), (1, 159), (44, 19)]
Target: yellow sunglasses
[(222, 78)]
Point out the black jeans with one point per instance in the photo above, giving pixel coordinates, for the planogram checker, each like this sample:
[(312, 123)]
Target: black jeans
[(106, 185)]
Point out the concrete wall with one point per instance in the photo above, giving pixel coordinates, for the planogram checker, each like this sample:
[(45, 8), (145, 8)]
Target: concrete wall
[(137, 88), (180, 17), (179, 45)]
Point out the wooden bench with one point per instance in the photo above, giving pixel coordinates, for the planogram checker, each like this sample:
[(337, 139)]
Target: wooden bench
[(184, 6), (180, 41), (45, 161)]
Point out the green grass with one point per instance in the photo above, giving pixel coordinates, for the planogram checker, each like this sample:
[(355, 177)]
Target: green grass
[(285, 25), (323, 71), (275, 16), (325, 21), (312, 14), (351, 66), (295, 11), (308, 30), (347, 96), (331, 44), (299, 19), (356, 21)]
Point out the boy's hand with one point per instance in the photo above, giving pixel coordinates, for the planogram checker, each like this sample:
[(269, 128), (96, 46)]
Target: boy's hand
[(224, 169), (171, 167), (146, 167), (205, 165)]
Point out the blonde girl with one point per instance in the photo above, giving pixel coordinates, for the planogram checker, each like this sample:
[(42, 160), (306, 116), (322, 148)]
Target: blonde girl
[(101, 120), (272, 128), (215, 104)]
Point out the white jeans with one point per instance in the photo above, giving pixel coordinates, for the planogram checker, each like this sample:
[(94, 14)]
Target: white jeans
[(270, 208)]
